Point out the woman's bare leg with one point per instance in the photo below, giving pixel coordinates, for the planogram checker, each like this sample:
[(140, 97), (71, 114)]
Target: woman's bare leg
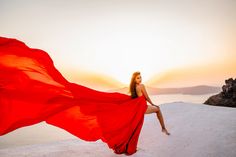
[(157, 110)]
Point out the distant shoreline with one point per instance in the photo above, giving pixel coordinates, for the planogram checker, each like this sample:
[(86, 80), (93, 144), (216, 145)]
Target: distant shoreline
[(193, 90)]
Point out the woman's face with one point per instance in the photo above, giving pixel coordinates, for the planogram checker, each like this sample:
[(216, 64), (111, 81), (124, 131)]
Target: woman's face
[(138, 79)]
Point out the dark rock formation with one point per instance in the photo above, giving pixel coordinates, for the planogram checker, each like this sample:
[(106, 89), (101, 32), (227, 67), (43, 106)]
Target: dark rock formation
[(227, 97)]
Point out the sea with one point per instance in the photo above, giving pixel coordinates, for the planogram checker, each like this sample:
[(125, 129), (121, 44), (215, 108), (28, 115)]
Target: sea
[(43, 133)]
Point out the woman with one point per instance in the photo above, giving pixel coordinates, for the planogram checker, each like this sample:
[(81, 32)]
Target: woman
[(137, 89), (32, 90)]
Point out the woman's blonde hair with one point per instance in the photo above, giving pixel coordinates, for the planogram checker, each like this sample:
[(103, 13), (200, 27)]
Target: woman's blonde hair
[(132, 85)]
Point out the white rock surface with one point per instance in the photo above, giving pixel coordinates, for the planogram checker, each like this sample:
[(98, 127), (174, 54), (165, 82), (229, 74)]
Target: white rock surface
[(196, 131)]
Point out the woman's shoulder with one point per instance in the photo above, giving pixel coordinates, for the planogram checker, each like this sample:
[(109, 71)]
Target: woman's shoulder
[(140, 85)]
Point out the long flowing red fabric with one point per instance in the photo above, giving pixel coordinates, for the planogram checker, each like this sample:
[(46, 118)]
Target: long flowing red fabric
[(32, 90)]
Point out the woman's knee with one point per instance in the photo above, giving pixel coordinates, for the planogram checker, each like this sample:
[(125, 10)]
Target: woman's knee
[(157, 108)]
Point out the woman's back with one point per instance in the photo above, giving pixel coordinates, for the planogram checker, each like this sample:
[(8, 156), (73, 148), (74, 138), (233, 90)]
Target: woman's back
[(139, 90)]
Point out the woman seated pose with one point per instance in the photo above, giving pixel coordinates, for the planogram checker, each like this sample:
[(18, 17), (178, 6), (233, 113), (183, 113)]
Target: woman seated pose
[(32, 90), (138, 89)]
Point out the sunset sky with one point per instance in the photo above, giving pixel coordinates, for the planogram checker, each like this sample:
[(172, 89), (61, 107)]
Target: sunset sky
[(172, 43)]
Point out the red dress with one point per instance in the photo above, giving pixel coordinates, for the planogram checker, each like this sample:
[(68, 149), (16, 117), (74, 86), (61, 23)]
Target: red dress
[(32, 90)]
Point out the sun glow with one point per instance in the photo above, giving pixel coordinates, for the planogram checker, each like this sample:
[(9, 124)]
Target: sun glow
[(116, 39)]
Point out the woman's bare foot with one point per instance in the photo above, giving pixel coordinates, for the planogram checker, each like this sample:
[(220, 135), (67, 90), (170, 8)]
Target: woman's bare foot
[(165, 131)]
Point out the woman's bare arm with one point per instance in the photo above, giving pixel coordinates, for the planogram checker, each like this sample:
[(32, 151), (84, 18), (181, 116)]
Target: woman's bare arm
[(146, 95)]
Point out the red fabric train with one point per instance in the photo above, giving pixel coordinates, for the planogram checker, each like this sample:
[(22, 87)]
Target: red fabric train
[(32, 90)]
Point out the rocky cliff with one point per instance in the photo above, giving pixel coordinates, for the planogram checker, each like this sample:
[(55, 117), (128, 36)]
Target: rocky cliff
[(227, 97)]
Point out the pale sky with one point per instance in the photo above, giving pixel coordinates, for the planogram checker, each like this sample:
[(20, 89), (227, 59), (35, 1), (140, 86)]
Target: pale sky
[(116, 38)]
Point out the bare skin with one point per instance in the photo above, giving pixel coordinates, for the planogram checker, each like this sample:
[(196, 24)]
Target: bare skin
[(140, 89)]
